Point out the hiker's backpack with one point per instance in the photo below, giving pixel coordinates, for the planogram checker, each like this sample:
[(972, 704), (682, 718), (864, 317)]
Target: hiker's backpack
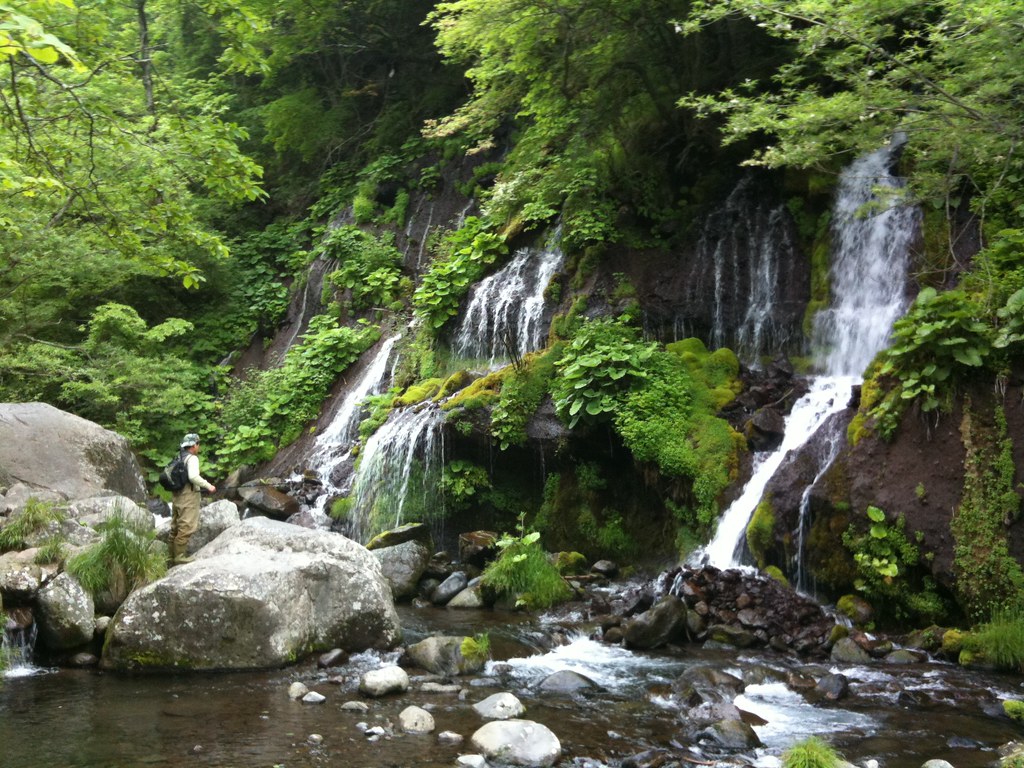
[(175, 475)]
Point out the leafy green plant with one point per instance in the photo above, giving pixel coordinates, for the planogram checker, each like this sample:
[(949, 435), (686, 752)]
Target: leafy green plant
[(370, 268), (885, 562), (598, 366), (272, 408), (465, 255), (462, 481), (523, 573), (932, 345), (811, 753), (126, 557), (37, 517)]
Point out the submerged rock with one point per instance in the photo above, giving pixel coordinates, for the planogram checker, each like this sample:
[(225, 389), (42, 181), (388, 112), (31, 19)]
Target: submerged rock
[(263, 594)]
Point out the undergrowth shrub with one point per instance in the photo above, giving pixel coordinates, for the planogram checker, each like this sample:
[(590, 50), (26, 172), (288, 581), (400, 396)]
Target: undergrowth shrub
[(36, 518), (887, 570), (523, 573), (464, 257), (1000, 641), (271, 408), (811, 753), (126, 557)]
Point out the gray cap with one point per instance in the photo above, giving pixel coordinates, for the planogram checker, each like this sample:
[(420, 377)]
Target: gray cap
[(189, 440)]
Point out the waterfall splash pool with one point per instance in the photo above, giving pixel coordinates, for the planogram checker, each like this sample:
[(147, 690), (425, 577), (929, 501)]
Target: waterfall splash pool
[(900, 715)]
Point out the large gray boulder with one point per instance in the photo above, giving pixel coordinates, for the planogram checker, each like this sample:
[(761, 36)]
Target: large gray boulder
[(403, 565), (263, 594), (48, 449), (66, 614), (214, 519), (99, 509)]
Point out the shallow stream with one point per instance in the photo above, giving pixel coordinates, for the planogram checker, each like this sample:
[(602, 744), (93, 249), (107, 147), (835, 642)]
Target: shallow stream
[(898, 715)]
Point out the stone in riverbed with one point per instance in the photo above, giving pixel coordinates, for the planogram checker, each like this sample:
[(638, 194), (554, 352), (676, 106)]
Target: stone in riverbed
[(65, 614), (403, 565), (832, 687), (442, 655), (846, 651), (449, 588), (260, 595), (518, 742), (470, 597), (500, 706), (381, 682), (416, 720), (566, 681), (664, 623)]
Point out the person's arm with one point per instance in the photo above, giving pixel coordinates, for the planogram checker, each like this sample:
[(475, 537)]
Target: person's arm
[(192, 464)]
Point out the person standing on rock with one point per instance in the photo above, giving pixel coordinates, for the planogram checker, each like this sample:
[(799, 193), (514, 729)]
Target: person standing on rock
[(185, 503)]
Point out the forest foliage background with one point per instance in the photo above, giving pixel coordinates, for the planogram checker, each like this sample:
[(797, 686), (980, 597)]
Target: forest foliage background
[(168, 168)]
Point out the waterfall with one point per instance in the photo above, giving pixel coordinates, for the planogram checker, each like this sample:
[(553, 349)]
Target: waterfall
[(826, 396), (404, 455), (831, 445), (309, 300), (743, 246), (872, 235), (332, 446), (16, 649), (506, 310)]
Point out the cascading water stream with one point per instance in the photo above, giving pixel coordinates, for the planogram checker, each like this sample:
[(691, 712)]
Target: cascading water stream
[(506, 309), (405, 456), (872, 235), (332, 446), (16, 648), (410, 442)]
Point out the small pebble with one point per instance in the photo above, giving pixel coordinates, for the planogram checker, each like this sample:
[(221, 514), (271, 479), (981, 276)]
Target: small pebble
[(315, 738)]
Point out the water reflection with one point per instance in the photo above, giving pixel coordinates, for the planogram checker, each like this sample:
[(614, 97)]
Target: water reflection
[(899, 715)]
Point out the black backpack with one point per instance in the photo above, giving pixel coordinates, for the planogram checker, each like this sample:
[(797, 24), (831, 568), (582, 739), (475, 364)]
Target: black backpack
[(175, 475)]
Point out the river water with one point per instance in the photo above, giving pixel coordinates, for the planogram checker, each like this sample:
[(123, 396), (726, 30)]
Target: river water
[(898, 715)]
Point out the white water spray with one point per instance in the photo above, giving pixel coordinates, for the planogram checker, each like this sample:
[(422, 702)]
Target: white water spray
[(506, 309), (332, 446), (872, 239), (386, 466)]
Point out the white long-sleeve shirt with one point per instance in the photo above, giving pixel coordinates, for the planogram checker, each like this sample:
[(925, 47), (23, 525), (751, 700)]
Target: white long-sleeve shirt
[(192, 465)]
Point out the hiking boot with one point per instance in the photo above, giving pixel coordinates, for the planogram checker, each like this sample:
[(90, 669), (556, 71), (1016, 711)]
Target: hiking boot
[(182, 559)]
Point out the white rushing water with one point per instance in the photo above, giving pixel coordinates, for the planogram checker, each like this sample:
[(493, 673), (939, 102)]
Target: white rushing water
[(743, 246), (872, 235), (505, 312), (332, 446), (827, 395), (411, 439)]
